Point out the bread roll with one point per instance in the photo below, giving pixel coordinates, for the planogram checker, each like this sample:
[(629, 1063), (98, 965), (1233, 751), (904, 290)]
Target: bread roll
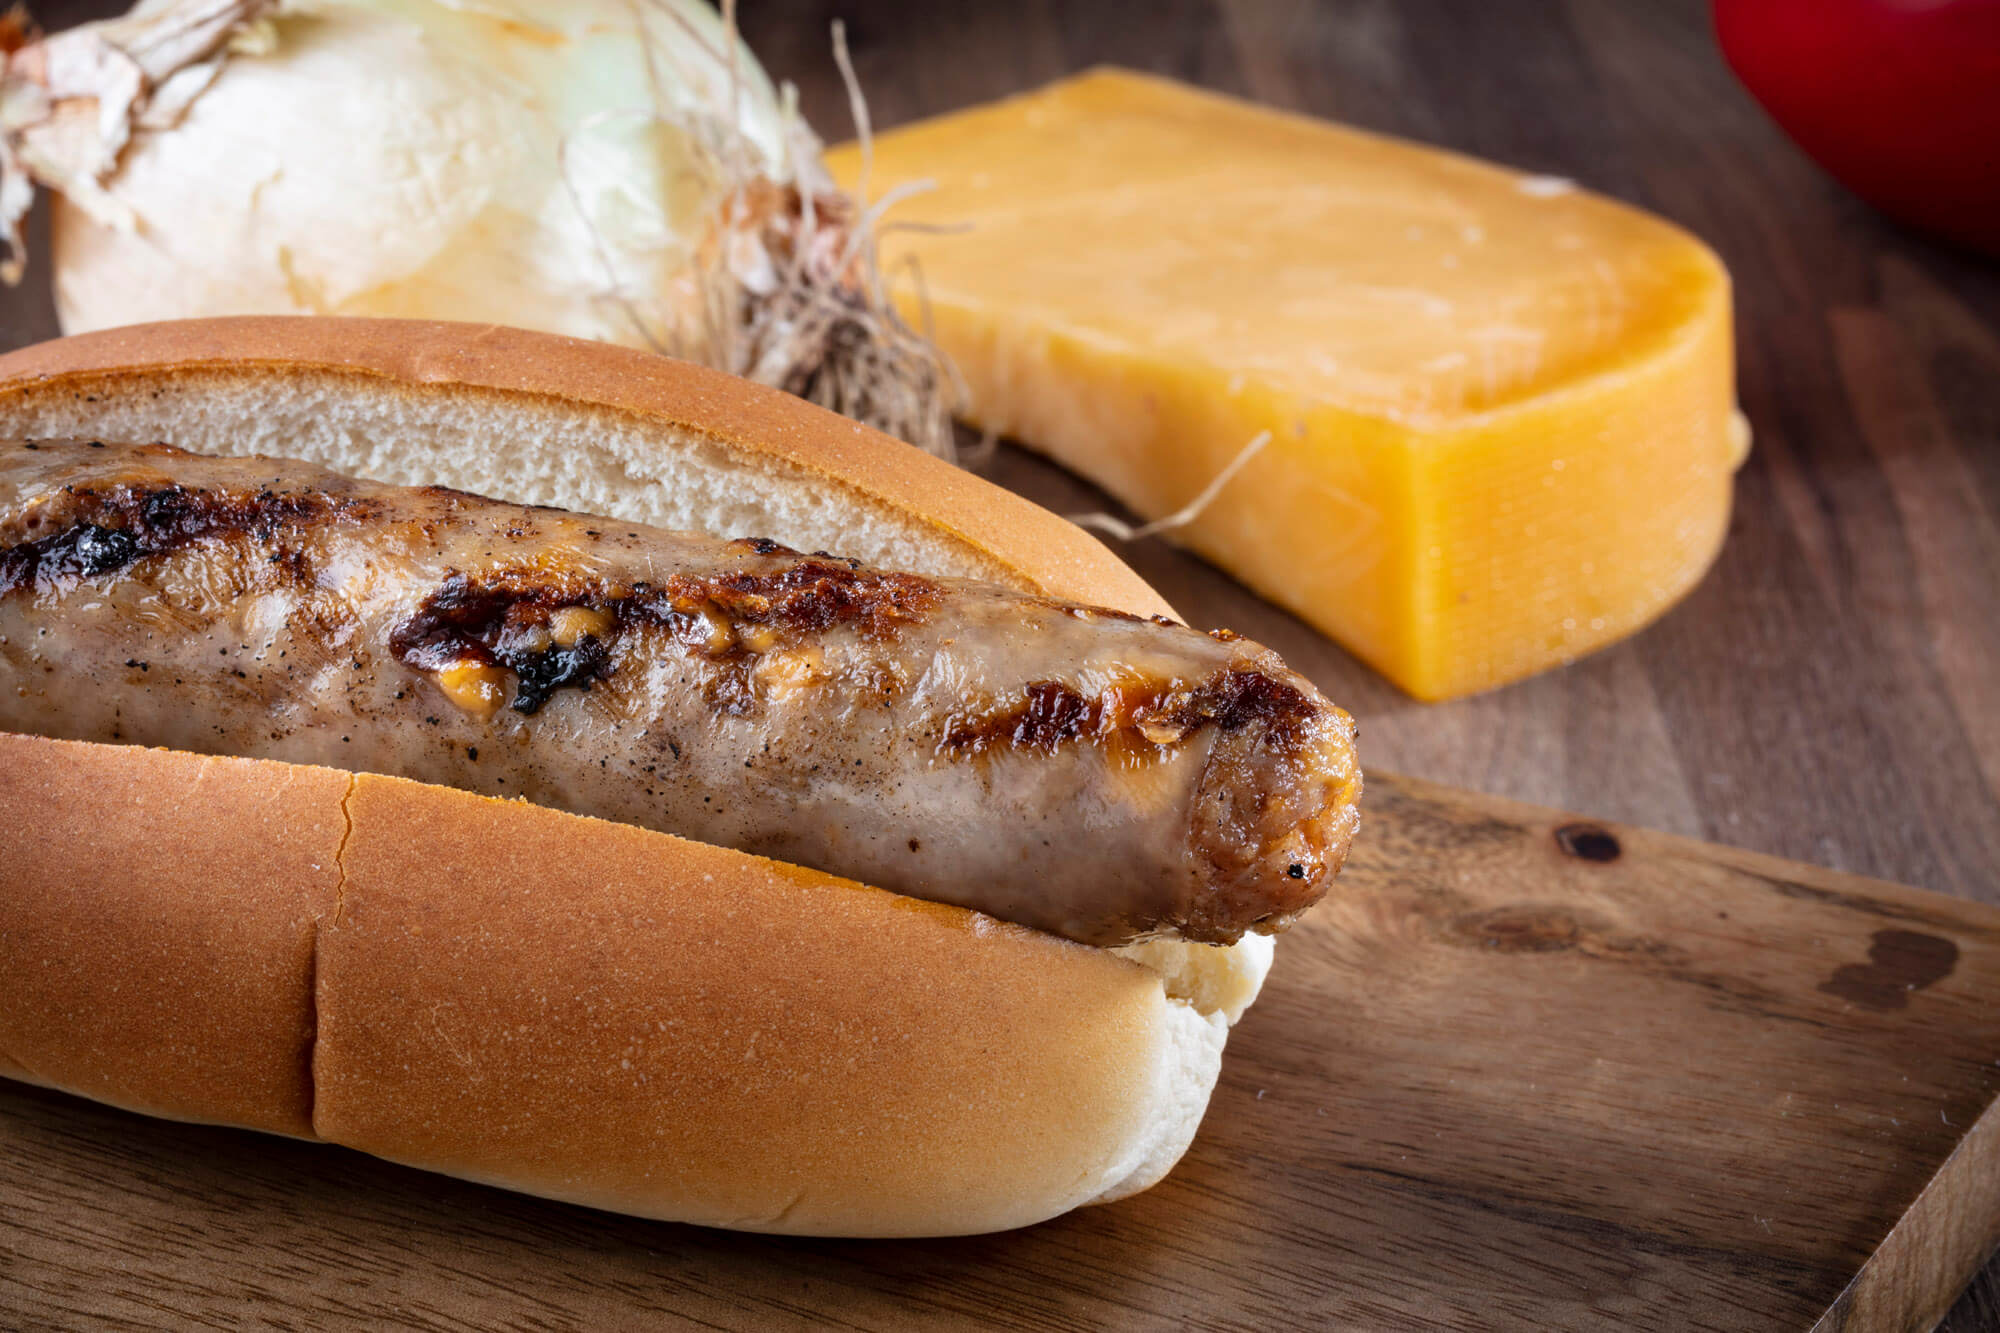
[(574, 1008)]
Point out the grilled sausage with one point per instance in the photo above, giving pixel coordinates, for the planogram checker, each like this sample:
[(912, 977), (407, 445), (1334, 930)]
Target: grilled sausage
[(1073, 769)]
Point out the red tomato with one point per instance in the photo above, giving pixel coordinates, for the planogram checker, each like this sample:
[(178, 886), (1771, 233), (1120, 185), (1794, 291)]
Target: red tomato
[(1899, 99)]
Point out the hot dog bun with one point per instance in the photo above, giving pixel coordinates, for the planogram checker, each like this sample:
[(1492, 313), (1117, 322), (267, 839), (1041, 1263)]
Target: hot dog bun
[(576, 1009), (532, 999)]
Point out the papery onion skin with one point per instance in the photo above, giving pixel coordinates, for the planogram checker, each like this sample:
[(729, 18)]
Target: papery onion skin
[(400, 157)]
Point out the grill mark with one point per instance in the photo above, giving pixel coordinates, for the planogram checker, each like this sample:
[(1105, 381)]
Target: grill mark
[(1050, 713), (501, 618), (810, 595), (83, 551), (497, 625), (109, 530)]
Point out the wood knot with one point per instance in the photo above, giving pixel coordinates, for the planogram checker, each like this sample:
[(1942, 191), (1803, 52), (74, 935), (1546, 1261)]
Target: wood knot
[(1590, 842)]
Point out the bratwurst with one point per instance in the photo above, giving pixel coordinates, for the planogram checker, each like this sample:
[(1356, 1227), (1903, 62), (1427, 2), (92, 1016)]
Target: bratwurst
[(1074, 769)]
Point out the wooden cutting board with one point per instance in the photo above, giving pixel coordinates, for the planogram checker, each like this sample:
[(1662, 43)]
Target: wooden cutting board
[(1527, 1072)]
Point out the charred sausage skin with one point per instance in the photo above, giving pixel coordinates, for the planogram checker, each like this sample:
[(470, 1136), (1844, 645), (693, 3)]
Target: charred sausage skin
[(1069, 768)]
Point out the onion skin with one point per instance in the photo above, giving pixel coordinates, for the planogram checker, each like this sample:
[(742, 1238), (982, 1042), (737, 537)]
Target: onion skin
[(420, 160), (601, 169), (607, 170)]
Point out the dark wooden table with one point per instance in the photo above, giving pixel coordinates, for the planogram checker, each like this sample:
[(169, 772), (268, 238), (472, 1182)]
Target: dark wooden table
[(1831, 692)]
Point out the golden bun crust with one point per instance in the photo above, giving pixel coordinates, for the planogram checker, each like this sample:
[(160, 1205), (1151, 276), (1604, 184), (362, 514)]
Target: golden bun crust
[(382, 964), (577, 1009), (153, 956), (51, 387)]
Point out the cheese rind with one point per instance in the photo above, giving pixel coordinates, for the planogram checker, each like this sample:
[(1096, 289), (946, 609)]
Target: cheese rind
[(1502, 408)]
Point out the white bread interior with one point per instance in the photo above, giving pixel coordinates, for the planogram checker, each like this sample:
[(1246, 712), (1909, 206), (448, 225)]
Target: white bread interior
[(547, 420), (572, 456)]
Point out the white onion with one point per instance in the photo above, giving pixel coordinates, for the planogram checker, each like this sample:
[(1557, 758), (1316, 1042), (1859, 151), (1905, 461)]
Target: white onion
[(611, 169)]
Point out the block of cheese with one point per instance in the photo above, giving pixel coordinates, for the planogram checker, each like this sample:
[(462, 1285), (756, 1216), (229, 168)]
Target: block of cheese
[(1502, 408)]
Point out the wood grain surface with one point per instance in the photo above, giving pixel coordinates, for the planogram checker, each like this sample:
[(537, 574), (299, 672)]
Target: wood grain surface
[(1524, 1071), (1829, 693)]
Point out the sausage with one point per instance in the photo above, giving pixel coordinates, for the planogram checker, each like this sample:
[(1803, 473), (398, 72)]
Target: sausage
[(1070, 768)]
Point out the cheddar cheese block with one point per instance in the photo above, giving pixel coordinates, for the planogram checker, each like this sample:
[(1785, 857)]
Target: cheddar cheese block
[(1502, 408)]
